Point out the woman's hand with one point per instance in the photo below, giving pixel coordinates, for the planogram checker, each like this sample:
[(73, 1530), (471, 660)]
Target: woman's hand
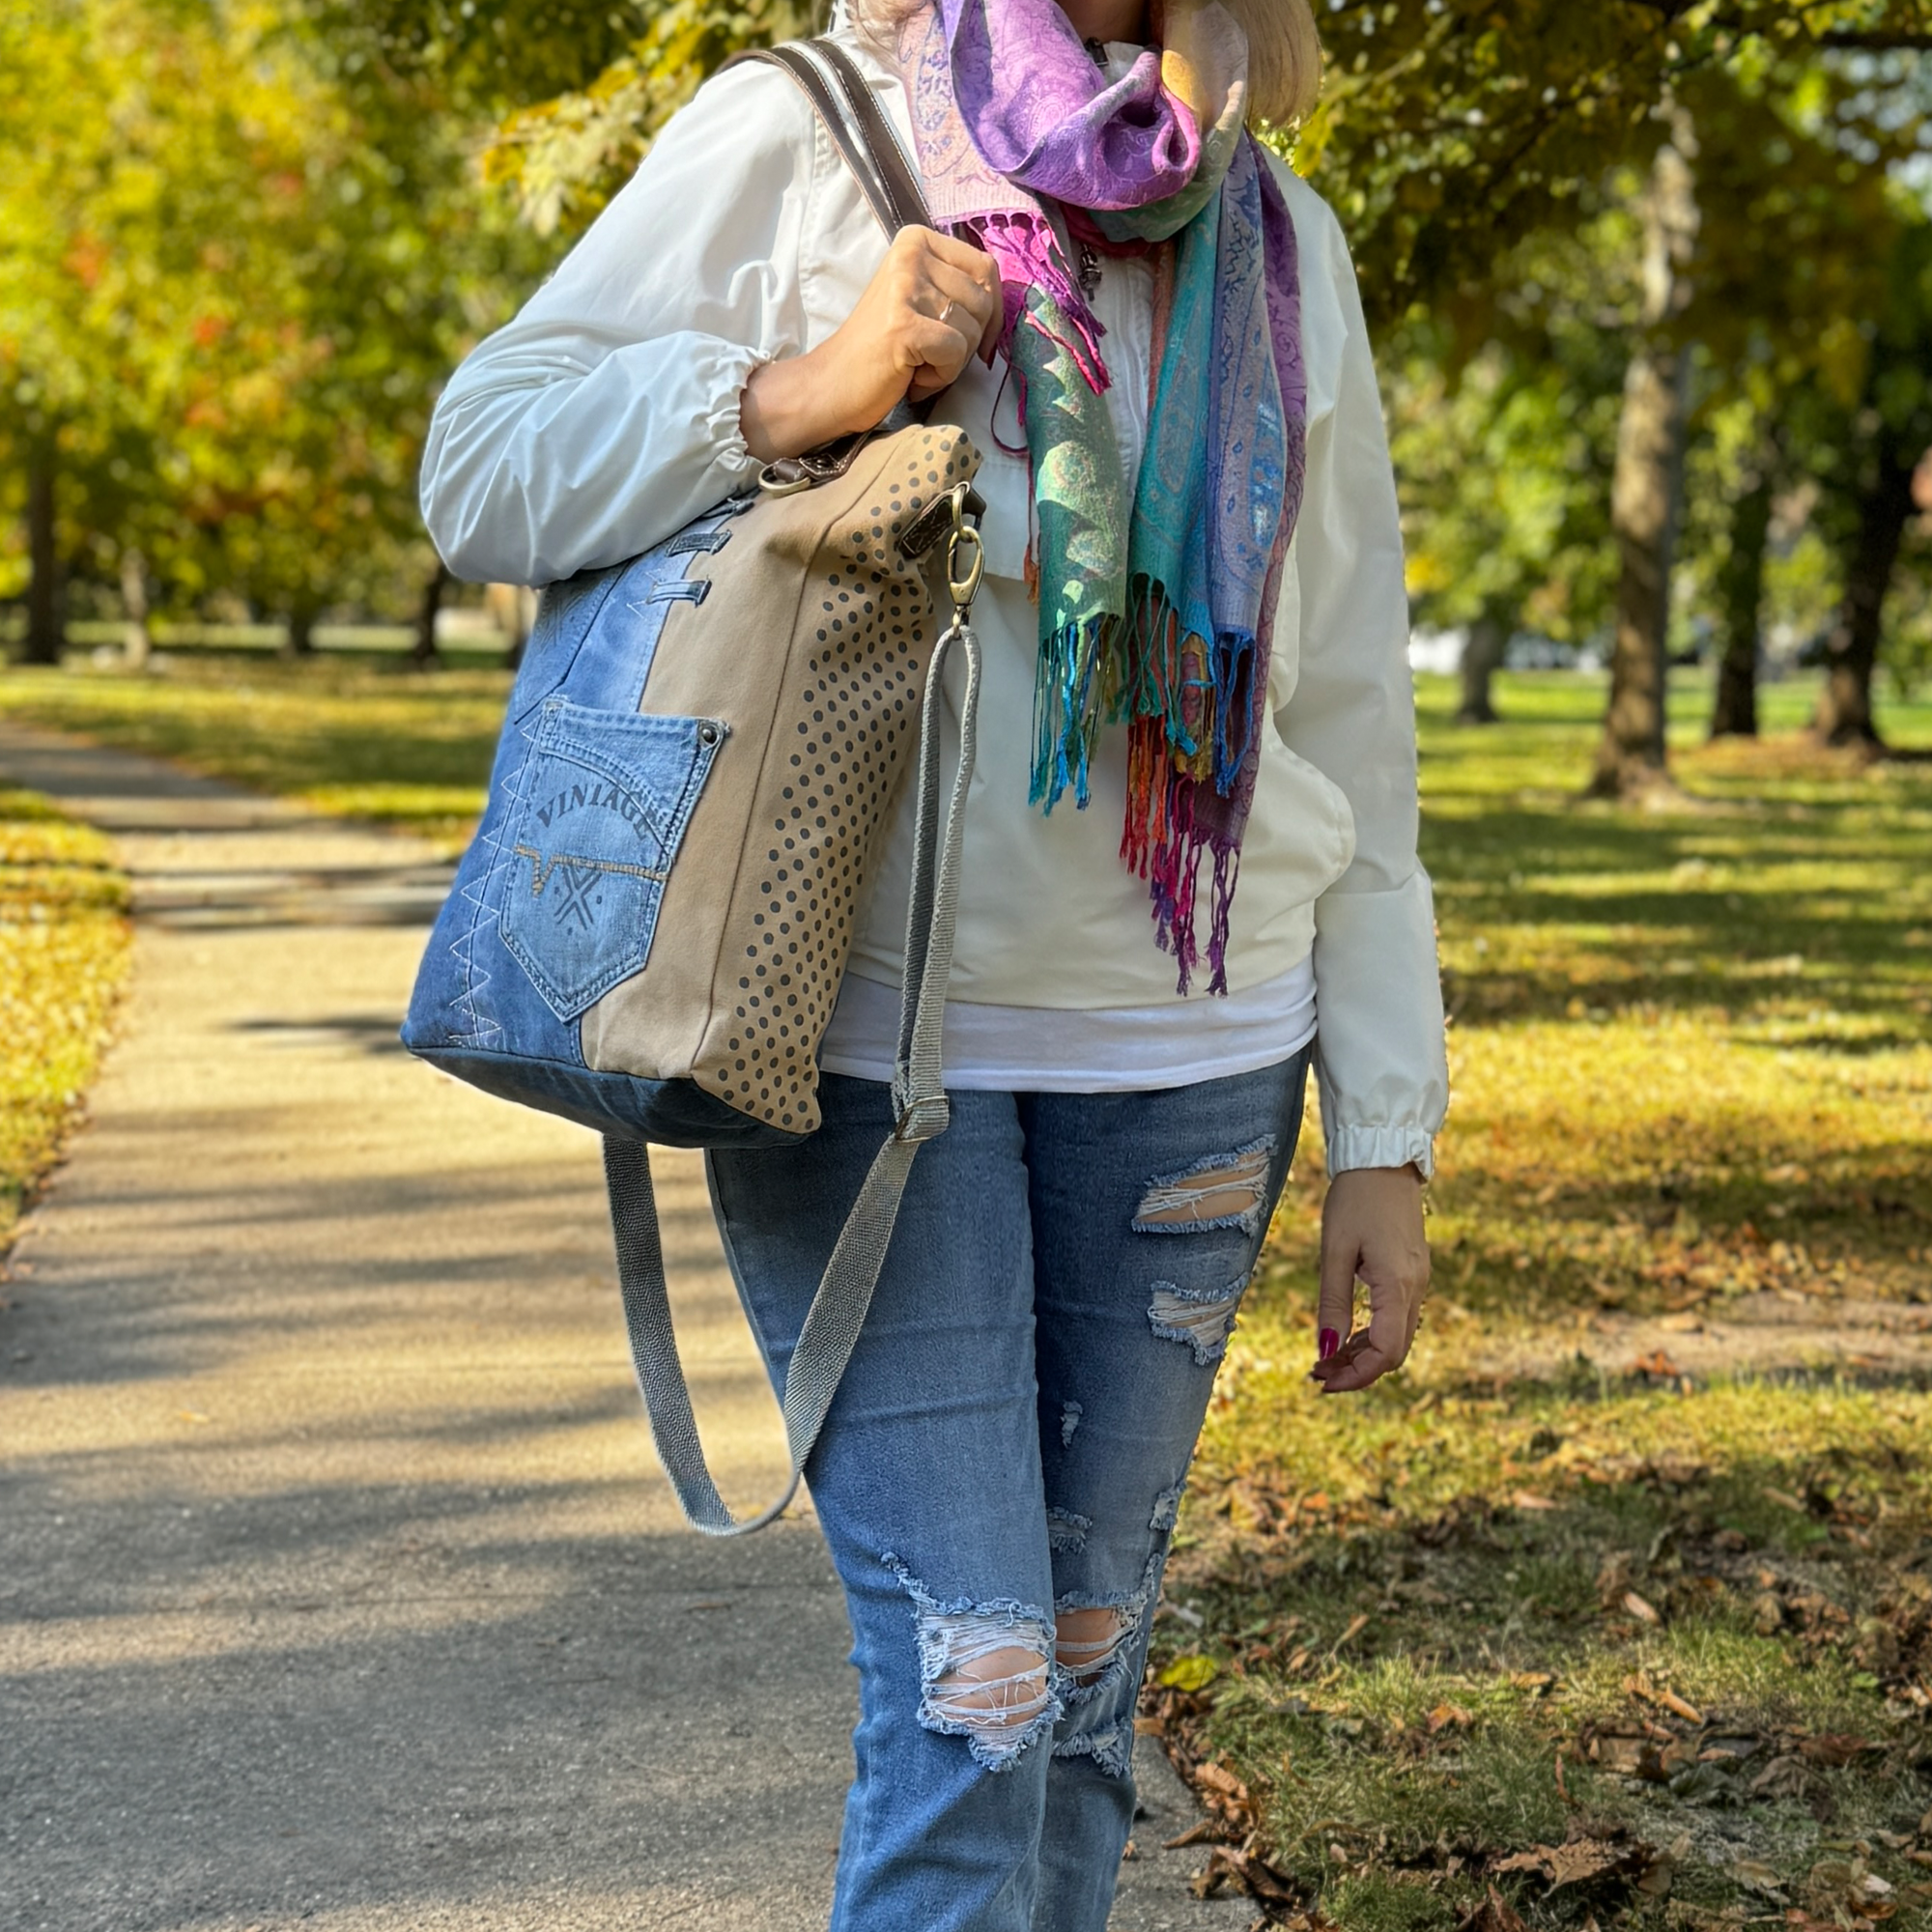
[(934, 302), (1371, 1228)]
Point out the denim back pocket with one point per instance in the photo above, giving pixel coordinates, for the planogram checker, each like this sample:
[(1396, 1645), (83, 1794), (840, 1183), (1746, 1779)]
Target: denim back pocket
[(605, 798)]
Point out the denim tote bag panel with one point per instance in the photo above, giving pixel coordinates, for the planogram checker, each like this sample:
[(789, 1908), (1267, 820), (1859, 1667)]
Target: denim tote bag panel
[(606, 798)]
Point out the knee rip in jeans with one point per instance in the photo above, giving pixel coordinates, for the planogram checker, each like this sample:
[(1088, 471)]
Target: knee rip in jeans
[(1167, 1508), (1111, 1748), (1066, 1531), (1088, 1642), (1094, 1638), (1202, 1318), (985, 1673), (1224, 1190)]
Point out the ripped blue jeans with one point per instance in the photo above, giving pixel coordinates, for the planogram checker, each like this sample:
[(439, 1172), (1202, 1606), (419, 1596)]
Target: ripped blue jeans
[(998, 1474)]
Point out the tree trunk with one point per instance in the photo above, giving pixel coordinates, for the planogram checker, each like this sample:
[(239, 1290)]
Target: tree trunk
[(1482, 659), (1647, 488), (301, 625), (46, 618), (424, 650), (1740, 600), (137, 643), (1851, 653)]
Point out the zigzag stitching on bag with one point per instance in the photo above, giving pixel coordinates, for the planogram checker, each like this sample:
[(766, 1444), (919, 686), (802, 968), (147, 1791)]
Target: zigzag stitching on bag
[(482, 1031)]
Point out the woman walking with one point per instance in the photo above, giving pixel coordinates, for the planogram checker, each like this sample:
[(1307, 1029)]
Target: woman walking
[(1191, 828)]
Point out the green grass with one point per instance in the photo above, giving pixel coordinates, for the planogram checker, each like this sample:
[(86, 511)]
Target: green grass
[(1692, 1055), (363, 737), (63, 954)]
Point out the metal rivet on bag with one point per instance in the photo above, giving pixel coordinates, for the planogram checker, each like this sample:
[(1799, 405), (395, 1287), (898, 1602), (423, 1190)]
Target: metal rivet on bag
[(707, 735)]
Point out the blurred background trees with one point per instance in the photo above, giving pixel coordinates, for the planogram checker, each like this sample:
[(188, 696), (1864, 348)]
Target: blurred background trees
[(236, 262), (1652, 283)]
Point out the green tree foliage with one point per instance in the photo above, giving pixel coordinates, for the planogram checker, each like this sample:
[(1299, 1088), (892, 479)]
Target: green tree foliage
[(228, 291), (1504, 457), (1449, 130), (566, 157)]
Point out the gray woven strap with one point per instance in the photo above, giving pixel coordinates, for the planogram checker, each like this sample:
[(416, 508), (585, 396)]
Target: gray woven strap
[(838, 1308)]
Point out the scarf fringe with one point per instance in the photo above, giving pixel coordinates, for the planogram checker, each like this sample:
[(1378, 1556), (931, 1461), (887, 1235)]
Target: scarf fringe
[(1233, 661), (1163, 843), (1068, 707), (1204, 697), (1190, 724)]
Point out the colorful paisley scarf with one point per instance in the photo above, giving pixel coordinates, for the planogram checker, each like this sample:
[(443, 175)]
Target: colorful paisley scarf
[(1156, 605)]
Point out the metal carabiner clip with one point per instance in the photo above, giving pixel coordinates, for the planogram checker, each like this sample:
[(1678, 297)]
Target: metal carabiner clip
[(963, 583)]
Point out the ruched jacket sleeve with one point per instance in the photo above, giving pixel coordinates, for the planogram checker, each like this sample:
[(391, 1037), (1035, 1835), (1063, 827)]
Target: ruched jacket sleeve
[(605, 417), (1379, 1055)]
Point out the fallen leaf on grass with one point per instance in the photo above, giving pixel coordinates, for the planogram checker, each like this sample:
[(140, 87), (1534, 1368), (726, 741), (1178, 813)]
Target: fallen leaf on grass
[(1640, 1685), (1539, 1683), (1842, 1890), (1640, 1608), (1223, 1787), (1349, 1635), (1495, 1914), (1525, 1500), (1448, 1717), (1784, 1500), (1733, 1752), (1195, 1834), (1756, 1876), (1656, 1363), (1253, 1874), (1585, 1859), (1782, 1778), (1190, 1673), (1834, 1749)]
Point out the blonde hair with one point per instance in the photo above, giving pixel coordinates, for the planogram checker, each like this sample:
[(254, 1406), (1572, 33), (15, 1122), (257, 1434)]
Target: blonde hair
[(1283, 50), (1284, 58)]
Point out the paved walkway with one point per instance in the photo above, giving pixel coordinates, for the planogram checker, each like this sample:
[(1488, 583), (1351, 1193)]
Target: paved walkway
[(338, 1584)]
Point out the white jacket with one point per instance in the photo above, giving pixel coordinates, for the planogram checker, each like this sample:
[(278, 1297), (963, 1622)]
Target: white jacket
[(605, 417)]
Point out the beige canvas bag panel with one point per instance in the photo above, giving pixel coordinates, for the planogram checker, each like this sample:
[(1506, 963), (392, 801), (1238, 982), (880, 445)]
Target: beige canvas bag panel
[(814, 648)]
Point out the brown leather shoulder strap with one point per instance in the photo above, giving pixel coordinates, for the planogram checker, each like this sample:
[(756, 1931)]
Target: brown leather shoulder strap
[(860, 132), (884, 144)]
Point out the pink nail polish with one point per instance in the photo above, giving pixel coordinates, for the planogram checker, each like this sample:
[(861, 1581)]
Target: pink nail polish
[(1330, 1345)]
